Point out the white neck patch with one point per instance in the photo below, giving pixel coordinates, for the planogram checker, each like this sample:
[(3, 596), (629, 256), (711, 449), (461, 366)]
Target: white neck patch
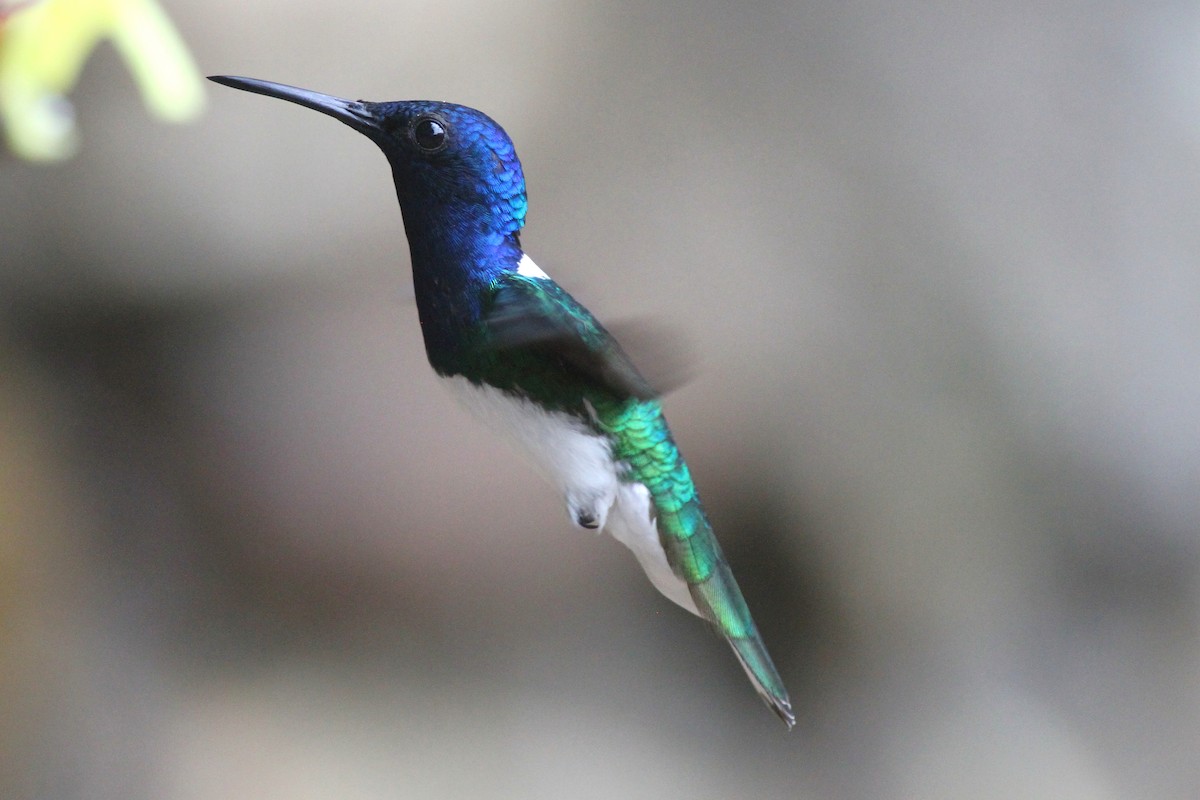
[(528, 269)]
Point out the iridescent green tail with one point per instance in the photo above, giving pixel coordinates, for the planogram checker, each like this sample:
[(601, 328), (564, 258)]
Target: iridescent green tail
[(694, 554), (720, 600), (643, 441)]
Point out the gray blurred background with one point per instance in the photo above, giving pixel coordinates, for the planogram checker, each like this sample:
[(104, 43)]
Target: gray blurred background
[(939, 269)]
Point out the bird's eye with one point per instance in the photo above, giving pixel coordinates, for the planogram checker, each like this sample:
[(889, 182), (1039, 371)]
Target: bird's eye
[(429, 134)]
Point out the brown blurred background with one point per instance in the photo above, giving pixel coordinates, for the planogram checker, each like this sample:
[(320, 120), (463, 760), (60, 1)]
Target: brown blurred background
[(940, 268)]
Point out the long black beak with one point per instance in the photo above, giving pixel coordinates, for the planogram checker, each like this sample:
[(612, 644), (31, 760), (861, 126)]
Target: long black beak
[(355, 113)]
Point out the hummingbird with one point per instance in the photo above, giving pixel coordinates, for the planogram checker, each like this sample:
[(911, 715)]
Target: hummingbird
[(528, 359)]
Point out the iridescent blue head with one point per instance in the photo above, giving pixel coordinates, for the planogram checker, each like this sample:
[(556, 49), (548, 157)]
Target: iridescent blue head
[(461, 192), (450, 159), (458, 179)]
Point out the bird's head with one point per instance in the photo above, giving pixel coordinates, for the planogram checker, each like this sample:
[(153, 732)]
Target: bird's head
[(450, 162)]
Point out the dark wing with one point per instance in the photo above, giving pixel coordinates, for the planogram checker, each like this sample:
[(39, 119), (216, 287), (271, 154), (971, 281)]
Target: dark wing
[(536, 315)]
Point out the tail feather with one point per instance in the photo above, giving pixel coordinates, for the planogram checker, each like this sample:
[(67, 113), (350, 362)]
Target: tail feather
[(642, 442), (753, 656), (695, 556), (720, 601)]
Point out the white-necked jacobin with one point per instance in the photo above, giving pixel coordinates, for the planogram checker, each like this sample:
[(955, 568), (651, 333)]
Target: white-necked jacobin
[(528, 359)]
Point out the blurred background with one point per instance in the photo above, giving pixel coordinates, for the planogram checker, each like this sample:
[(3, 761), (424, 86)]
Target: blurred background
[(938, 265)]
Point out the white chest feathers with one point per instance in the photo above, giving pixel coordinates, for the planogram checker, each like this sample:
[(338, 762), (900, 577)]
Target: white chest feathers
[(570, 455)]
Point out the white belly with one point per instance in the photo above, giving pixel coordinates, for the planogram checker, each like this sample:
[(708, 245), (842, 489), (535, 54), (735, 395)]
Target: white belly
[(570, 455), (579, 462)]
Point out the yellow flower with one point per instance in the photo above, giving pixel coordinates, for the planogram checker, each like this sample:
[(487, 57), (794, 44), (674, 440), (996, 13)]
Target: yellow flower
[(43, 46)]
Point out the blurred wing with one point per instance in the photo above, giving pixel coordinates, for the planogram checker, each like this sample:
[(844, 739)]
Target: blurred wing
[(536, 315)]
